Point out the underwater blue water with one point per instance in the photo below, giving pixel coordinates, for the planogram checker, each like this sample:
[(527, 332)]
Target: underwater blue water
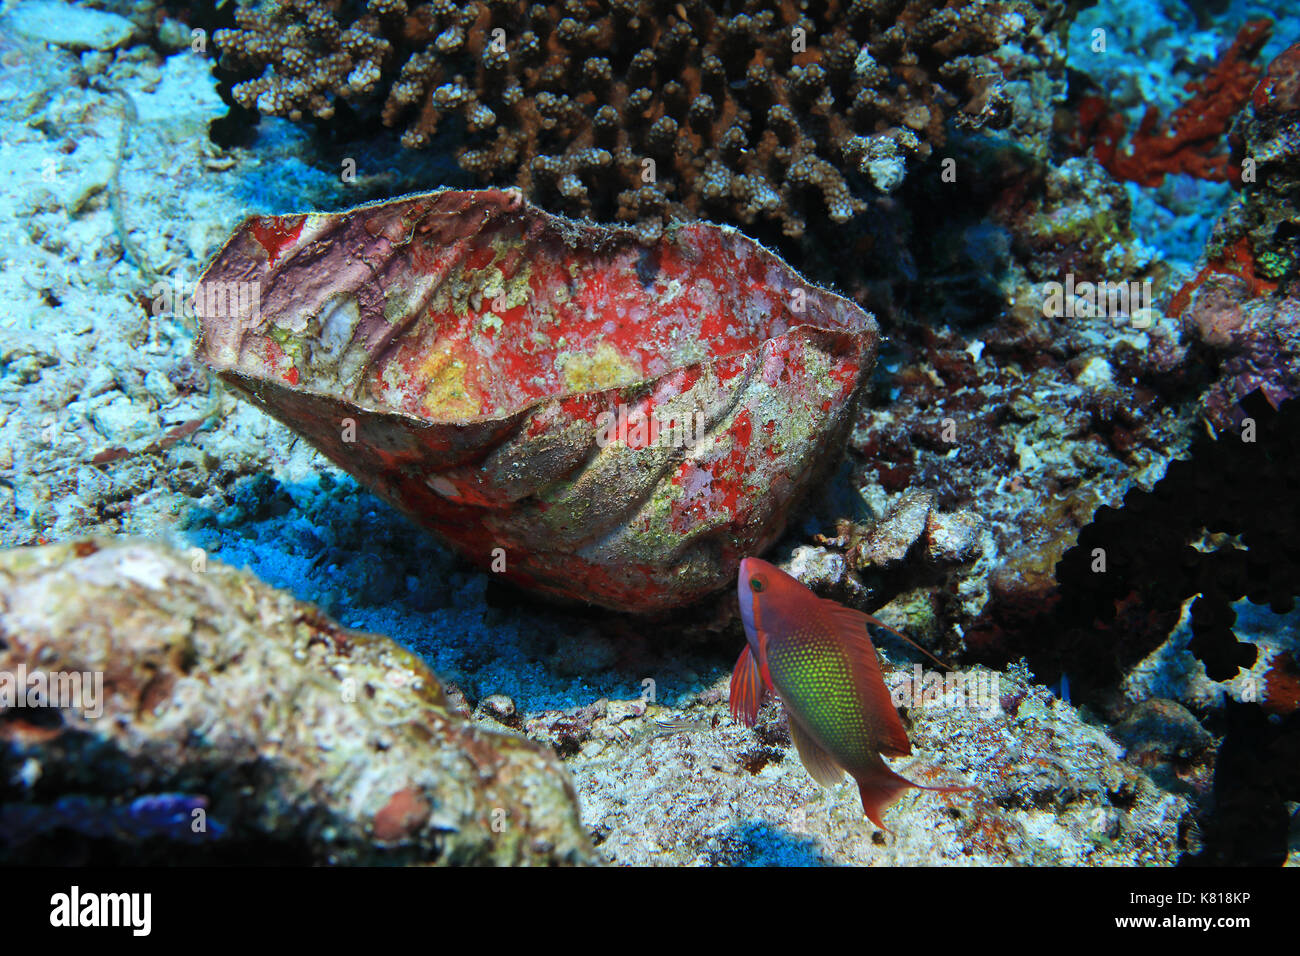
[(282, 182)]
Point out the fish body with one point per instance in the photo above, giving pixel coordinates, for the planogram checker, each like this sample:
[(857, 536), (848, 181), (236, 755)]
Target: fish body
[(817, 656), (663, 728), (1063, 686)]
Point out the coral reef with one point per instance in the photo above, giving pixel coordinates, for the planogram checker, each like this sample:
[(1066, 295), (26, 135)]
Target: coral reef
[(1165, 738), (1031, 424), (915, 554), (1254, 342), (1150, 51), (303, 741), (1241, 306), (1172, 671), (1218, 526), (979, 252), (990, 434), (755, 114), (913, 520), (1238, 261), (1262, 229)]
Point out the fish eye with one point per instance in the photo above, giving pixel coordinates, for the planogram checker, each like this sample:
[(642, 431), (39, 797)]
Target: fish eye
[(756, 584)]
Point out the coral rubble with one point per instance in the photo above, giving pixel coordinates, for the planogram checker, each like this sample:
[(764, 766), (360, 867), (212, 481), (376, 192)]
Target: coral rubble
[(687, 785), (233, 723)]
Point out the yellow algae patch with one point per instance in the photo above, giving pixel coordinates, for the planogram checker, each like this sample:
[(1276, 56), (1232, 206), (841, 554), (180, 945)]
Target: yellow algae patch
[(518, 289), (603, 368), (446, 395)]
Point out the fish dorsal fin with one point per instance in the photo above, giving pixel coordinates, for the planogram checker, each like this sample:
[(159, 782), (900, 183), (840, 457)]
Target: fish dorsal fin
[(851, 629), (897, 633), (747, 691), (821, 766)]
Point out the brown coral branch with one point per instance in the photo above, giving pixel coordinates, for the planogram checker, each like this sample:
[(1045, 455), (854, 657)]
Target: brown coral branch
[(645, 110)]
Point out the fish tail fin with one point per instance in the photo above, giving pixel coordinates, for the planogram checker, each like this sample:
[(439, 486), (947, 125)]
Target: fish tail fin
[(880, 787), (948, 788)]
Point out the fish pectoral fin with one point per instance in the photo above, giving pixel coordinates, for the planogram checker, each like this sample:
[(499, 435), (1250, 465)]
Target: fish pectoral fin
[(821, 766), (747, 691)]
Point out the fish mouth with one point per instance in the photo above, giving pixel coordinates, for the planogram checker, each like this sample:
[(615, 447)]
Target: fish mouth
[(747, 567)]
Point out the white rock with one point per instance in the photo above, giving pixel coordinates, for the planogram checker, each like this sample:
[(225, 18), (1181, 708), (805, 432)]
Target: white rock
[(99, 380), (160, 387), (1096, 373), (119, 420), (67, 25)]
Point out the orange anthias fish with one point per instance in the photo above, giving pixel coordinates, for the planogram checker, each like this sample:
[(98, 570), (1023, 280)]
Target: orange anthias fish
[(817, 656)]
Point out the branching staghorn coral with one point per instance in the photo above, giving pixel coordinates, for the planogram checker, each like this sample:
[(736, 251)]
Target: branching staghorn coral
[(645, 110)]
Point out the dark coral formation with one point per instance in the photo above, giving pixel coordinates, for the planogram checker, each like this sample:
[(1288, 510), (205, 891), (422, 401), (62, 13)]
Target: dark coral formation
[(643, 110), (1219, 526), (1257, 772)]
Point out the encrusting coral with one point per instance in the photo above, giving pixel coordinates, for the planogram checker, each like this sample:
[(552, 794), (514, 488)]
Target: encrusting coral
[(644, 110)]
